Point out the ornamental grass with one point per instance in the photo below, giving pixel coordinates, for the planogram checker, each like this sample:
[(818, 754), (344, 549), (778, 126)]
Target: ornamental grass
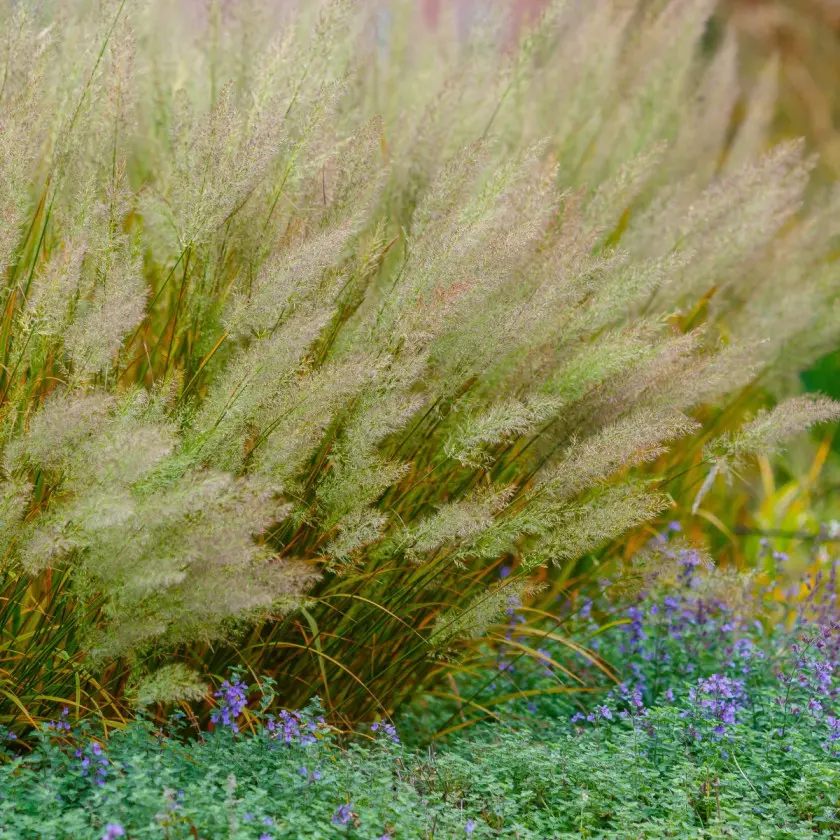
[(314, 320)]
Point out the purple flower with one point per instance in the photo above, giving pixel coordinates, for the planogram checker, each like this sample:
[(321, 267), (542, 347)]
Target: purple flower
[(233, 698), (689, 560), (387, 728), (745, 649), (112, 831), (290, 726), (671, 604), (342, 816), (266, 837), (469, 828), (62, 725), (833, 732), (636, 629), (633, 698), (312, 776), (717, 700)]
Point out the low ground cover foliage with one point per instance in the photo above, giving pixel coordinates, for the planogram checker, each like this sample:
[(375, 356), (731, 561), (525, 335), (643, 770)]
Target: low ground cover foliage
[(724, 721)]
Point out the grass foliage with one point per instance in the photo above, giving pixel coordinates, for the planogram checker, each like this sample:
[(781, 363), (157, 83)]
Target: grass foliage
[(312, 320)]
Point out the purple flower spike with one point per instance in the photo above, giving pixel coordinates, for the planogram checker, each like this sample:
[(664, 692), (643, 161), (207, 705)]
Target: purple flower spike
[(234, 697), (112, 831)]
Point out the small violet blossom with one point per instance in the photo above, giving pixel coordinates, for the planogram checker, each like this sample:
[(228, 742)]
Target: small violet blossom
[(343, 814), (387, 728)]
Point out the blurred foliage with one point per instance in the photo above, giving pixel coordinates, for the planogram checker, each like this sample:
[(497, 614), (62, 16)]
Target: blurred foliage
[(803, 38)]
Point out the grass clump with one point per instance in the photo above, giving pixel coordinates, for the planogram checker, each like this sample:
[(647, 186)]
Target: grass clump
[(304, 333)]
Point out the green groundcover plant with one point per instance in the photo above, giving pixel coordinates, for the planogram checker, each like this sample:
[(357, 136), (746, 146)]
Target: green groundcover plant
[(310, 321), (724, 724)]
